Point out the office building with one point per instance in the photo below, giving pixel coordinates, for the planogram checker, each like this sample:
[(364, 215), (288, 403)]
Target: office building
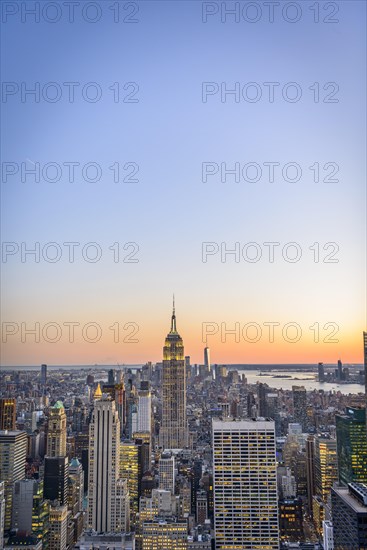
[(207, 364), (56, 433), (352, 445), (144, 408), (104, 456), (164, 534), (300, 406), (167, 472), (13, 452), (58, 527), (56, 479), (7, 413), (291, 520), (326, 465), (349, 510), (245, 485), (173, 433)]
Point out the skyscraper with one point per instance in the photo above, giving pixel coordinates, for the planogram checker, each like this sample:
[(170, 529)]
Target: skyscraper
[(13, 451), (58, 527), (2, 512), (144, 408), (173, 433), (104, 456), (321, 372), (7, 413), (245, 485), (56, 433), (167, 472), (326, 465), (207, 360), (349, 509), (300, 406), (352, 445), (43, 374), (56, 478)]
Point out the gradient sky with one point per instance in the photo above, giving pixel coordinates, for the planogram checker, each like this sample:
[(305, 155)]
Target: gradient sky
[(170, 212)]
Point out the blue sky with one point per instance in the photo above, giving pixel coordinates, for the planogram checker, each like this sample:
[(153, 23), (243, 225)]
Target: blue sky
[(169, 133)]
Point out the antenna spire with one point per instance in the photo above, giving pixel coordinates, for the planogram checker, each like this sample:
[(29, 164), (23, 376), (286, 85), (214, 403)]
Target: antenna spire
[(173, 319)]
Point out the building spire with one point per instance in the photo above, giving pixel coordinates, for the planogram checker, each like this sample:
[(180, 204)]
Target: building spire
[(173, 318)]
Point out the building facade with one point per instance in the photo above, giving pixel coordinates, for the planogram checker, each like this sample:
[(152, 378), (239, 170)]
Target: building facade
[(245, 485)]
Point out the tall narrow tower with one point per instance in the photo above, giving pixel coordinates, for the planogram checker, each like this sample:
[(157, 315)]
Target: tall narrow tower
[(173, 433), (104, 456)]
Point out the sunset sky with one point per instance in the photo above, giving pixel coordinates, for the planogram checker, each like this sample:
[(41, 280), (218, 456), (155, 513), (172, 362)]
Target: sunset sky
[(170, 212)]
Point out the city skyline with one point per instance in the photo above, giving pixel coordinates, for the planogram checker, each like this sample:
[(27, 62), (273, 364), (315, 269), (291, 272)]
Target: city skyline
[(178, 136)]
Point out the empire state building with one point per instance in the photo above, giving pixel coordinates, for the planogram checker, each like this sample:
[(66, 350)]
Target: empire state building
[(173, 432)]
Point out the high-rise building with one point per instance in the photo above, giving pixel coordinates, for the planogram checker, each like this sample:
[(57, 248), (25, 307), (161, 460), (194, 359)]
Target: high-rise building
[(261, 399), (111, 377), (326, 465), (104, 456), (173, 432), (7, 413), (321, 372), (76, 475), (56, 478), (291, 520), (300, 406), (58, 527), (245, 485), (352, 445), (13, 452), (328, 536), (2, 513), (122, 506), (207, 360), (164, 534), (349, 510), (310, 470), (167, 472), (30, 510), (144, 408), (130, 469), (43, 374), (339, 371), (56, 433)]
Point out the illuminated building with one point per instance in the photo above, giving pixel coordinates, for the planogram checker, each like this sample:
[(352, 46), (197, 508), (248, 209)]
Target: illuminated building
[(13, 451), (7, 413), (300, 406), (143, 440), (104, 456), (290, 520), (173, 433), (130, 469), (245, 485), (327, 535), (310, 470), (349, 510), (30, 510), (2, 513), (167, 472), (144, 408), (352, 445), (326, 465), (207, 360), (164, 534), (56, 433), (58, 527), (318, 513)]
